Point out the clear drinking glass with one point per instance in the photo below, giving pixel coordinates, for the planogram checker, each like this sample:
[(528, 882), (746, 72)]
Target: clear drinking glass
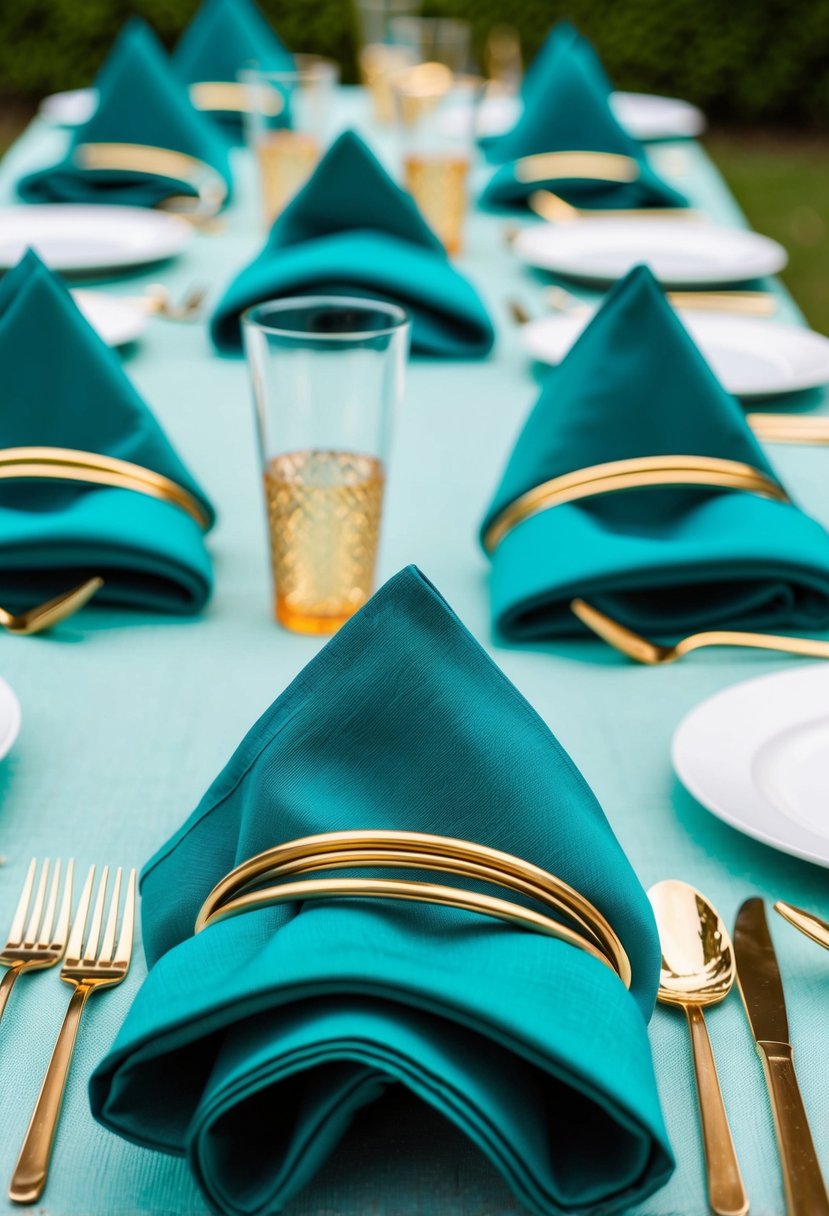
[(379, 58), (443, 40), (437, 121), (327, 375), (287, 124)]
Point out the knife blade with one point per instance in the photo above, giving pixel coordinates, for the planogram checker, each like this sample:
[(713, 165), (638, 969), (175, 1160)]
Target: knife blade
[(758, 978)]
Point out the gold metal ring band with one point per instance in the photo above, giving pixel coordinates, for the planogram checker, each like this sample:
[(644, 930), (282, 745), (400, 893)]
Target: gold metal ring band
[(644, 472), (209, 186), (585, 166), (416, 850), (92, 468)]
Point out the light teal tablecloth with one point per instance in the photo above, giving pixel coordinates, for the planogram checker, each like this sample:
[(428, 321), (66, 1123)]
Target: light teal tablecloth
[(127, 720)]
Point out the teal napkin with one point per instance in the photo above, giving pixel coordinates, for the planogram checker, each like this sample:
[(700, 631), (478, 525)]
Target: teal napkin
[(352, 231), (140, 101), (223, 37), (567, 109), (662, 561), (53, 534), (252, 1046)]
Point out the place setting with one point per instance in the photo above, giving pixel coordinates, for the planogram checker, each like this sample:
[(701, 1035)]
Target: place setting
[(414, 613)]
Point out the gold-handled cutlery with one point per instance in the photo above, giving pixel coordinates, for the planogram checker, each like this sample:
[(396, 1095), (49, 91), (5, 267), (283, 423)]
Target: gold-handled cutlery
[(653, 654), (92, 962), (761, 988), (697, 972), (790, 428), (809, 924), (556, 210), (751, 303), (45, 616), (157, 300), (40, 927)]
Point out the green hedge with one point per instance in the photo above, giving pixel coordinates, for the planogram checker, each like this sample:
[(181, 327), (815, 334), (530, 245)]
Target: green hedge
[(748, 61)]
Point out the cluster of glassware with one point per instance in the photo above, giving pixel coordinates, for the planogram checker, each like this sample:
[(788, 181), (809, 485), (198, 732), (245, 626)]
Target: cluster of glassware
[(328, 372)]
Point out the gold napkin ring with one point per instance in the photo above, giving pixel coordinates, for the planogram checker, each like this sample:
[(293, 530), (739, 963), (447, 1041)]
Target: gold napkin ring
[(706, 472), (230, 97), (209, 186), (92, 468), (580, 166), (240, 890)]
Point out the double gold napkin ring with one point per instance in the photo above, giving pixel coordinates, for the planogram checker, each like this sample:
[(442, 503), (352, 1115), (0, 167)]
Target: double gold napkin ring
[(642, 472), (242, 889), (208, 186), (92, 468)]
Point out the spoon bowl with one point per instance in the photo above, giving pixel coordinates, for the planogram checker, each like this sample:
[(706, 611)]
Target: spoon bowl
[(698, 965)]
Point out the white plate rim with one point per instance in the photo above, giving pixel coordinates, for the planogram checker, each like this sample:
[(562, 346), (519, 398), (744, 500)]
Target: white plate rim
[(775, 259), (177, 231), (135, 319), (9, 703), (531, 342), (704, 796)]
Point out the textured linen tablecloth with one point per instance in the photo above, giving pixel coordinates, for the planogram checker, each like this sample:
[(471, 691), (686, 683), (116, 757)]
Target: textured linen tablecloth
[(127, 718)]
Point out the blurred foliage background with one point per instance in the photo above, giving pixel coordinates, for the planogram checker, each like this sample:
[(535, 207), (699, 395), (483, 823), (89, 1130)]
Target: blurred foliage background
[(758, 68)]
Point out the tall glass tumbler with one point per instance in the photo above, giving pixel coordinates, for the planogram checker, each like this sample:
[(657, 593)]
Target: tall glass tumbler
[(327, 375), (379, 57), (287, 124)]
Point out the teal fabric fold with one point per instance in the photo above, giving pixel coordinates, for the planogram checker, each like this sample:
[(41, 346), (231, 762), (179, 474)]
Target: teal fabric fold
[(251, 1046), (351, 230), (224, 37), (660, 560), (567, 109), (53, 535), (140, 101)]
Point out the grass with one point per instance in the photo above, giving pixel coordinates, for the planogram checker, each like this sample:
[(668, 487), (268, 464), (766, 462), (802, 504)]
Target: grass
[(781, 181)]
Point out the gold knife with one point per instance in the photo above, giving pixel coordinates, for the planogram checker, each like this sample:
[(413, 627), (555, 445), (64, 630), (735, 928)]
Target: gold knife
[(761, 988)]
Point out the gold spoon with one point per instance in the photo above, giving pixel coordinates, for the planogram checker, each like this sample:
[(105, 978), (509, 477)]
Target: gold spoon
[(809, 924), (44, 616), (697, 970), (654, 655)]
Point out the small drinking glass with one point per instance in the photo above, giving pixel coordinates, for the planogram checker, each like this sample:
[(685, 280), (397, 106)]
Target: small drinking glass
[(378, 57), (287, 120), (443, 40), (437, 120), (327, 375)]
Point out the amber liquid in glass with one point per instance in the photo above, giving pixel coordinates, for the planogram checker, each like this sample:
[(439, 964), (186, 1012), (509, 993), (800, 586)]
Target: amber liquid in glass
[(286, 161), (437, 183), (324, 517)]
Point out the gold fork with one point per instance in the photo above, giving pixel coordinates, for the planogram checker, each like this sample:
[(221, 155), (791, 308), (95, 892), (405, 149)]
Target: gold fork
[(809, 924), (41, 940), (87, 967), (44, 616), (652, 653)]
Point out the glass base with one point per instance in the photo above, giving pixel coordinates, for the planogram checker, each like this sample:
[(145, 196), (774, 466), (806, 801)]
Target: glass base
[(308, 622)]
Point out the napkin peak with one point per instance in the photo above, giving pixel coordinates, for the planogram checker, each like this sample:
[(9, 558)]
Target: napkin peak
[(634, 384), (44, 406), (351, 191), (224, 36), (141, 101)]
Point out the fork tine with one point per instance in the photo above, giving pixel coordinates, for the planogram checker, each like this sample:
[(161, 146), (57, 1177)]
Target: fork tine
[(123, 950), (45, 931), (62, 927), (75, 944), (19, 921), (37, 907), (108, 942), (91, 949)]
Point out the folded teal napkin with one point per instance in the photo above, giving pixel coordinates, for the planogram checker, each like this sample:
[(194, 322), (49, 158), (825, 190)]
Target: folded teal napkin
[(660, 560), (251, 1046), (351, 230), (140, 101), (567, 109), (223, 37), (53, 534)]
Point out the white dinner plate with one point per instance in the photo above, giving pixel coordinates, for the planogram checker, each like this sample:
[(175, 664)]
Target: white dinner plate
[(118, 320), (681, 253), (9, 718), (751, 356), (75, 237), (70, 109), (757, 756), (643, 115)]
